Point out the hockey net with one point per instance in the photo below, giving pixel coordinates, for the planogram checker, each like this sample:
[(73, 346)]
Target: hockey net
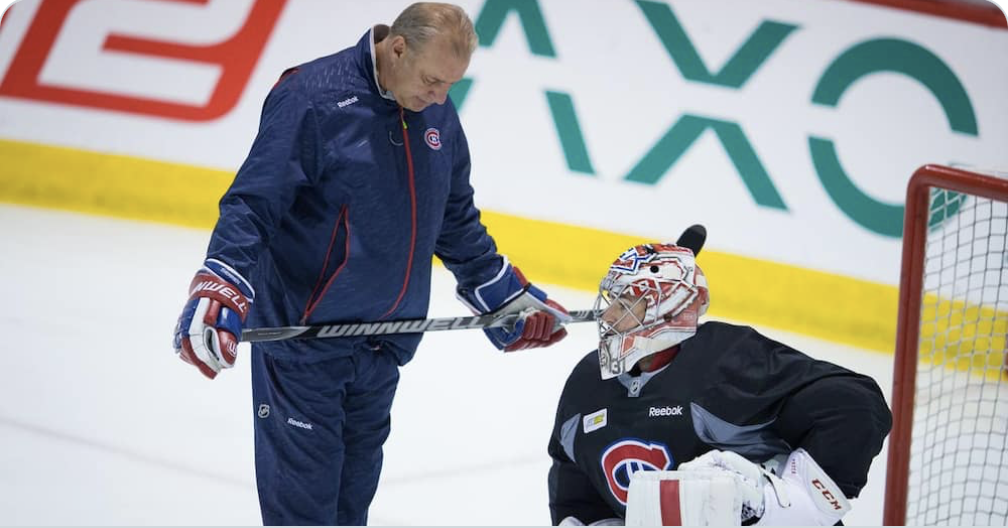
[(948, 449)]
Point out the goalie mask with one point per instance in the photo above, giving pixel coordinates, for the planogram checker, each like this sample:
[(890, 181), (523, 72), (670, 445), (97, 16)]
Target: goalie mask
[(650, 300)]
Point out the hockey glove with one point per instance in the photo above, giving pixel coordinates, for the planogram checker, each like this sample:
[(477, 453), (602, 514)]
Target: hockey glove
[(749, 478), (210, 326), (540, 321), (803, 495)]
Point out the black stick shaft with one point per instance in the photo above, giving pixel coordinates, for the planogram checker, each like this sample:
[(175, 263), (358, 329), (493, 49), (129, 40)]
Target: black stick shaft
[(401, 326)]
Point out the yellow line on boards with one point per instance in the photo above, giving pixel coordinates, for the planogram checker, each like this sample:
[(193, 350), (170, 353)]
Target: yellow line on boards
[(823, 305), (111, 185)]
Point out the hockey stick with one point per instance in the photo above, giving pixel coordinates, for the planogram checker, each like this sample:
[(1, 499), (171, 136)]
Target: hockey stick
[(692, 238), (401, 326)]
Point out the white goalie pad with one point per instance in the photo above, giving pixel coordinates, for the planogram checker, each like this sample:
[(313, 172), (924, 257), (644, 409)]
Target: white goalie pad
[(683, 498)]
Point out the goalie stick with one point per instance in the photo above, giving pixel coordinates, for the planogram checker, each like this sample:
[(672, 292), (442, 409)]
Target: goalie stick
[(693, 238)]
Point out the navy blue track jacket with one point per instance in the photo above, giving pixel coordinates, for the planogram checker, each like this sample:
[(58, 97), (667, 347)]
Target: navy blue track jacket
[(338, 209)]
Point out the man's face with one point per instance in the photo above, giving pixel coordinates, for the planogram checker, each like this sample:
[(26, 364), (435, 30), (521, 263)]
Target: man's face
[(625, 313), (424, 76)]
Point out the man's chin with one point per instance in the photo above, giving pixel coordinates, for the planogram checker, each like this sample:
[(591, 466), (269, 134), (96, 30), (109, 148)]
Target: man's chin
[(424, 107), (415, 106)]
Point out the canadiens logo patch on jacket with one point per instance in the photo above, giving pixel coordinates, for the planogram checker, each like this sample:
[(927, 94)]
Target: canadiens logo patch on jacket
[(432, 137)]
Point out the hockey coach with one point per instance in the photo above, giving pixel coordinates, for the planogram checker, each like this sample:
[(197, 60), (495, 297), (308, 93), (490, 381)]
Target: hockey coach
[(359, 174)]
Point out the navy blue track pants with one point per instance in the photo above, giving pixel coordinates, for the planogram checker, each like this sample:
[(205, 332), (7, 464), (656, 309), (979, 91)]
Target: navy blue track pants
[(319, 430)]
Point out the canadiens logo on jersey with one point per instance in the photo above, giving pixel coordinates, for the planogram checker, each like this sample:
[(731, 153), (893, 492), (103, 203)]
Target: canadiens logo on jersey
[(626, 457), (433, 138)]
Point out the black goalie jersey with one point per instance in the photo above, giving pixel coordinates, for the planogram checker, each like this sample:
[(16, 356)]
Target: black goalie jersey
[(728, 388)]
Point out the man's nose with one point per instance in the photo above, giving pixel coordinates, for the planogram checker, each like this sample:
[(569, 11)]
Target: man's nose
[(439, 96), (609, 316)]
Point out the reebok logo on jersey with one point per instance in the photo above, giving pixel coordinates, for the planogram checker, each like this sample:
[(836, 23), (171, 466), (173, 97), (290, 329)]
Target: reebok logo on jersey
[(347, 102), (299, 423), (656, 412), (595, 421)]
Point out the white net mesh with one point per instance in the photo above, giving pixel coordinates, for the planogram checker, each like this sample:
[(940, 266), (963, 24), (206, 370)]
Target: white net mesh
[(959, 447)]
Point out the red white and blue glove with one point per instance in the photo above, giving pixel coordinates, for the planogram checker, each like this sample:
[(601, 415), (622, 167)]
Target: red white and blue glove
[(209, 329), (540, 321)]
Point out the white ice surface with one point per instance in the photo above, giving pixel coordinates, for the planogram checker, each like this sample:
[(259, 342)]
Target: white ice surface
[(100, 423)]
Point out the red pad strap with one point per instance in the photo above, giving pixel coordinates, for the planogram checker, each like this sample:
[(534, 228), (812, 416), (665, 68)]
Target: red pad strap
[(669, 499)]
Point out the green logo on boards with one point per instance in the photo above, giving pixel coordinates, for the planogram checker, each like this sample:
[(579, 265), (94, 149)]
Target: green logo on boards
[(854, 64), (889, 55)]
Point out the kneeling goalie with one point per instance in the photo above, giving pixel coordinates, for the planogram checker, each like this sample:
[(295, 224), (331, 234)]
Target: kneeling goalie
[(697, 424)]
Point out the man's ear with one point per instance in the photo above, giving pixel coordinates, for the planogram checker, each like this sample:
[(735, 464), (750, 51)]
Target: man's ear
[(398, 46)]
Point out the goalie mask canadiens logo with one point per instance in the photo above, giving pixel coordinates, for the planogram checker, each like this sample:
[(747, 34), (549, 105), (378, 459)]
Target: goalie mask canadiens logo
[(630, 260), (626, 457)]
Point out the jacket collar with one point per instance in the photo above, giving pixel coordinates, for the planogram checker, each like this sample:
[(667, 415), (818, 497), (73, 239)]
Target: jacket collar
[(366, 54)]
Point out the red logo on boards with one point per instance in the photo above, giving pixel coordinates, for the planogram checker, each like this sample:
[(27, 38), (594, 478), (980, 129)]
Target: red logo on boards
[(235, 56)]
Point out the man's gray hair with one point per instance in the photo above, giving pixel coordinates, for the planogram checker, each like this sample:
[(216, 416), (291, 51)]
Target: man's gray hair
[(422, 21)]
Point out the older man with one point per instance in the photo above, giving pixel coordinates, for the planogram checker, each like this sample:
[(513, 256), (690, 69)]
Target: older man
[(359, 174)]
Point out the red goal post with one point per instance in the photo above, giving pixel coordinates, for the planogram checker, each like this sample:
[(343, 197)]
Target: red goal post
[(948, 449)]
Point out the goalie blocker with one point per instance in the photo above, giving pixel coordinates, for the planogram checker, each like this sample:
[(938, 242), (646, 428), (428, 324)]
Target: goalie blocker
[(723, 488)]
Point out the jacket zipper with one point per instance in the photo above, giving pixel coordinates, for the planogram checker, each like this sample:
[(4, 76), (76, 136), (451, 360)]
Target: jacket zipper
[(413, 206)]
